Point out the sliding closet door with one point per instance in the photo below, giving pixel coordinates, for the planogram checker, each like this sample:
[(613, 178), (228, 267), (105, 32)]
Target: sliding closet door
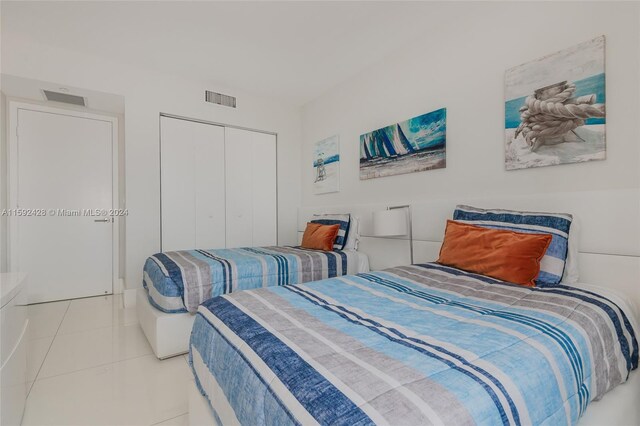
[(251, 188), (264, 190), (193, 184), (210, 187), (239, 161)]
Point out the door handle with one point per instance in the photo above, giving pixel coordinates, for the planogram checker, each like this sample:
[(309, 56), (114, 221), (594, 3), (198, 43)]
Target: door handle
[(106, 219)]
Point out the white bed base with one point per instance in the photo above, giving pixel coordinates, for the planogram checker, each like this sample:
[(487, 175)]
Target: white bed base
[(619, 407), (168, 334)]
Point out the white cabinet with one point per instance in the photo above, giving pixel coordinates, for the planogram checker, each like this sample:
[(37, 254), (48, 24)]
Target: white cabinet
[(13, 351), (218, 186)]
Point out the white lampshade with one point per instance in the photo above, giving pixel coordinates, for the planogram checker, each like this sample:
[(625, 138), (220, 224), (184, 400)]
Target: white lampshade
[(387, 223)]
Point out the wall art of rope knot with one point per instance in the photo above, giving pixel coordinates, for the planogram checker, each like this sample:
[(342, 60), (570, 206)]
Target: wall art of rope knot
[(551, 115)]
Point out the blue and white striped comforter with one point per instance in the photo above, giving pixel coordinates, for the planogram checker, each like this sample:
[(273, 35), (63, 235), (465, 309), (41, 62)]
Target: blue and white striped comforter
[(421, 344), (178, 281)]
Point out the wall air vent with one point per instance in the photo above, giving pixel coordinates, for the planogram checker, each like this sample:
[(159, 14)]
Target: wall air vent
[(65, 98), (220, 99)]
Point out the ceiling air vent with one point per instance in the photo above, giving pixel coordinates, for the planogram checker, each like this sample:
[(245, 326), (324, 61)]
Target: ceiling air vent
[(65, 98), (220, 99)]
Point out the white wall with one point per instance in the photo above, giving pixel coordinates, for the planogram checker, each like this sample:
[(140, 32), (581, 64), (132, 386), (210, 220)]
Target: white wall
[(459, 64), (148, 92)]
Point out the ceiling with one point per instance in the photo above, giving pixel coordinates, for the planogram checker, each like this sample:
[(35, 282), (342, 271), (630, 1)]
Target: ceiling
[(291, 51)]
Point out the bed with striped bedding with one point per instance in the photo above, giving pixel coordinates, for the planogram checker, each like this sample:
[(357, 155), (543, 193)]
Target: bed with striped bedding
[(420, 344), (178, 281)]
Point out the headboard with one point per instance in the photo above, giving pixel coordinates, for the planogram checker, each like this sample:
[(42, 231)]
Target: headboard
[(608, 224)]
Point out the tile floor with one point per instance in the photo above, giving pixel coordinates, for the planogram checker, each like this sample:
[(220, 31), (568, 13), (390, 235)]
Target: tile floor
[(90, 364)]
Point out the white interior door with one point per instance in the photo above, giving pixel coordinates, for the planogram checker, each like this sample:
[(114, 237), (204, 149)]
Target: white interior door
[(193, 184), (251, 188), (264, 189), (64, 165)]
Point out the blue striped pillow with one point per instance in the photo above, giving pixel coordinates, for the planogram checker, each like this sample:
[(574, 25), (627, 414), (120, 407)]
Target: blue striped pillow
[(344, 220), (557, 224)]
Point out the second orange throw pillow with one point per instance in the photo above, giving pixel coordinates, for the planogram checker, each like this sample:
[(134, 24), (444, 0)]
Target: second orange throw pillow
[(319, 237)]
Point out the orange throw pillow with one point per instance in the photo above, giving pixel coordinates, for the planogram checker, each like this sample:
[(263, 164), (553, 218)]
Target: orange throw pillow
[(320, 237), (505, 255)]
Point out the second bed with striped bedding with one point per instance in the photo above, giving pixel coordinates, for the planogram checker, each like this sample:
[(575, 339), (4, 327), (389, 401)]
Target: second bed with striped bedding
[(178, 281), (421, 344)]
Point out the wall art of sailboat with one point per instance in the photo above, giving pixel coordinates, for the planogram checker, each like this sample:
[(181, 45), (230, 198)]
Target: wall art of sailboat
[(414, 145)]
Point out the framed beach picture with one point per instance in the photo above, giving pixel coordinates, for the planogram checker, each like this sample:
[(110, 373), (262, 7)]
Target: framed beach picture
[(555, 108), (326, 165), (413, 145)]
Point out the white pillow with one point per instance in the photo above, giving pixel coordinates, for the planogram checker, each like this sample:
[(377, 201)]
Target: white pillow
[(571, 273), (353, 237)]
